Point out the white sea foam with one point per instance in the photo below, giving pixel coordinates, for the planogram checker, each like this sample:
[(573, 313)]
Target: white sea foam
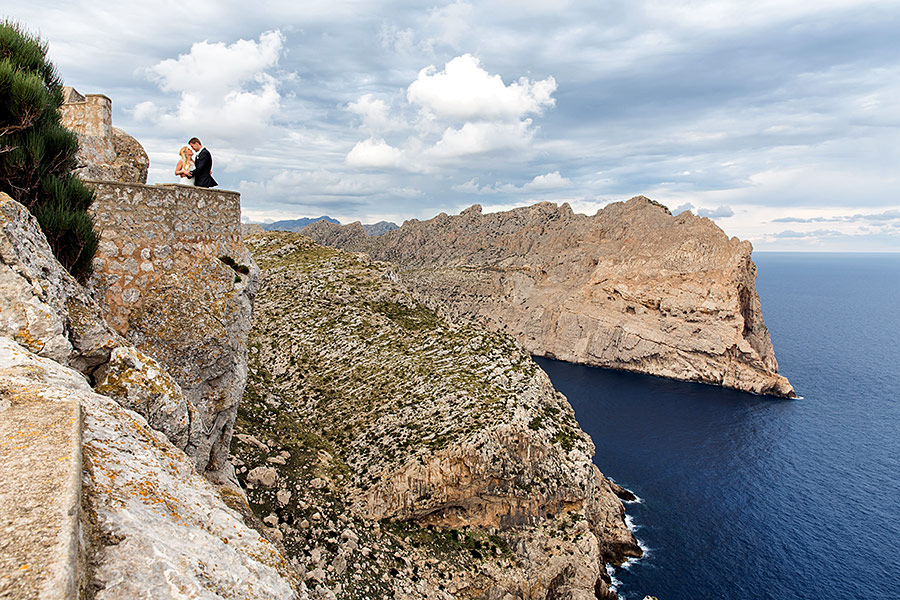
[(629, 523), (637, 499), (645, 550), (614, 583)]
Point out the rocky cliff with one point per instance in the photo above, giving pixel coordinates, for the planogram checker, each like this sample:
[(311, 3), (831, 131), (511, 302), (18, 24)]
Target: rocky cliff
[(631, 287), (100, 499), (400, 454), (175, 279)]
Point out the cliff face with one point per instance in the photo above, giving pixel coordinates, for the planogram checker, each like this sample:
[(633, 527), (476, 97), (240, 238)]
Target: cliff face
[(99, 498), (399, 454), (631, 288)]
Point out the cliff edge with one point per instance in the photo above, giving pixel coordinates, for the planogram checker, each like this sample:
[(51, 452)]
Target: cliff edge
[(630, 288)]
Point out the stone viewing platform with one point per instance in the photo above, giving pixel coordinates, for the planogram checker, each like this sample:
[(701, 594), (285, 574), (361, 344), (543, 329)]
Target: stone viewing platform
[(151, 230)]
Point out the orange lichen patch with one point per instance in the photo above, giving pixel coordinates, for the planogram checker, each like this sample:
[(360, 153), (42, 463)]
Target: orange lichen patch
[(24, 337), (152, 495)]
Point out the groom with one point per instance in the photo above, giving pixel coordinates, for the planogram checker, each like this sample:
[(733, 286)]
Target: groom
[(202, 172)]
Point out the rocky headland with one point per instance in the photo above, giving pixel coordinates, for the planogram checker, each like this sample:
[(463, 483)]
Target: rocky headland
[(632, 287), (397, 453)]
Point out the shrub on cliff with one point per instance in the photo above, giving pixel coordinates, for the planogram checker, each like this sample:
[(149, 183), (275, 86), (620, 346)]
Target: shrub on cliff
[(37, 154)]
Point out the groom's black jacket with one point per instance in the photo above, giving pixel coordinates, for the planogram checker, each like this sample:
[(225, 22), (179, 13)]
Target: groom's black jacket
[(202, 168)]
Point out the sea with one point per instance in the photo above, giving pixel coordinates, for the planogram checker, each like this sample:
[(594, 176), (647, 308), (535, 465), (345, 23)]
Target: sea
[(750, 497)]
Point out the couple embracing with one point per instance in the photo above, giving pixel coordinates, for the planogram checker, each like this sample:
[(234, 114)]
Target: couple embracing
[(197, 171)]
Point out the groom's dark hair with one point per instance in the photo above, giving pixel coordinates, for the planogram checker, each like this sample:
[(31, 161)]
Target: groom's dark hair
[(195, 140)]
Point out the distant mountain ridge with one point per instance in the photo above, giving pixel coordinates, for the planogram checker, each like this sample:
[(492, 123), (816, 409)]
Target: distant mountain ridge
[(632, 287), (297, 225)]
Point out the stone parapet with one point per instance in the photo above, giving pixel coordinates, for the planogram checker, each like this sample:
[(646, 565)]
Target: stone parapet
[(148, 231), (40, 499)]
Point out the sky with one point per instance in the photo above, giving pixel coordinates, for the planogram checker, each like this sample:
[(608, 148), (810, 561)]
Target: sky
[(779, 120)]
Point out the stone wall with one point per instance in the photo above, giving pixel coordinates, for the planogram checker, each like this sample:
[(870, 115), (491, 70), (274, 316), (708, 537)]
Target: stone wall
[(151, 231), (174, 277), (105, 152), (89, 114)]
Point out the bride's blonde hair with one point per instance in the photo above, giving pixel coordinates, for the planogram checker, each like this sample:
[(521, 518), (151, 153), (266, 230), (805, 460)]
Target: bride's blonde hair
[(184, 159)]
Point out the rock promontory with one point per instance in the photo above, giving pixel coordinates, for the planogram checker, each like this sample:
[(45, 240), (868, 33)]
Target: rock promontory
[(632, 287), (400, 454)]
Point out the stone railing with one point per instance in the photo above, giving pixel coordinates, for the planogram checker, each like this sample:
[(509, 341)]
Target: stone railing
[(150, 230)]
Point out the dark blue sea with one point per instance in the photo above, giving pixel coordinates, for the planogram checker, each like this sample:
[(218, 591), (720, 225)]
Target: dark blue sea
[(743, 496)]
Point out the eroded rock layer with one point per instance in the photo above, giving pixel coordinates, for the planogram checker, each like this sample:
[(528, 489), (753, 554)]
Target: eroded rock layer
[(399, 454), (631, 287)]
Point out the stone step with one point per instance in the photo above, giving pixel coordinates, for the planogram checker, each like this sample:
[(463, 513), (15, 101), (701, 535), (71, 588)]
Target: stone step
[(40, 491)]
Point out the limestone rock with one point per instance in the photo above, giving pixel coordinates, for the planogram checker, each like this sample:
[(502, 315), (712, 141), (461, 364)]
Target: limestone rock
[(137, 382), (43, 307), (631, 288), (439, 447), (155, 528), (46, 311)]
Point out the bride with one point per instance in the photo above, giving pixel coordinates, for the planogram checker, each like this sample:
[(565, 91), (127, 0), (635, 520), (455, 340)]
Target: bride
[(185, 166)]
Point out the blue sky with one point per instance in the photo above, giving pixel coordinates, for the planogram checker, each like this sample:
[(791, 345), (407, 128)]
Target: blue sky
[(779, 120)]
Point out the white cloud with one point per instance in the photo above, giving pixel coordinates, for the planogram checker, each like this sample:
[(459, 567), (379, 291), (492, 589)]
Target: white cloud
[(294, 186), (473, 112), (550, 181), (375, 114), (450, 24), (481, 137), (464, 91), (720, 212), (225, 90), (376, 153), (540, 183)]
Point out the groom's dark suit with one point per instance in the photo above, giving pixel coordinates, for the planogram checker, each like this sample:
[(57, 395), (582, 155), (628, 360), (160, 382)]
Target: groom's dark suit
[(202, 168)]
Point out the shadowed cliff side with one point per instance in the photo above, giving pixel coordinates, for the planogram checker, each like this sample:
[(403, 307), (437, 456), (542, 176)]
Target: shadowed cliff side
[(399, 454), (631, 287)]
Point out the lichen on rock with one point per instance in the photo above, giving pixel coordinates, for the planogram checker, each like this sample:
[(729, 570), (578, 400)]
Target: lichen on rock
[(155, 528)]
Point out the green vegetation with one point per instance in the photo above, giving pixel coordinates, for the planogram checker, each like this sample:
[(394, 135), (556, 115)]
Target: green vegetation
[(37, 154), (659, 204)]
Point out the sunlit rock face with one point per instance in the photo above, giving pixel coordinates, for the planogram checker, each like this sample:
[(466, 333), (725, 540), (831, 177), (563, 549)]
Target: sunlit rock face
[(631, 287), (148, 525)]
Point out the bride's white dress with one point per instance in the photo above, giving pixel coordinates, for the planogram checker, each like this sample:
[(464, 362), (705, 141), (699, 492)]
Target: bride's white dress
[(188, 180)]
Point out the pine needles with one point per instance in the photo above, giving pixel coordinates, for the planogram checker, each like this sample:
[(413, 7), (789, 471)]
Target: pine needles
[(37, 154)]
